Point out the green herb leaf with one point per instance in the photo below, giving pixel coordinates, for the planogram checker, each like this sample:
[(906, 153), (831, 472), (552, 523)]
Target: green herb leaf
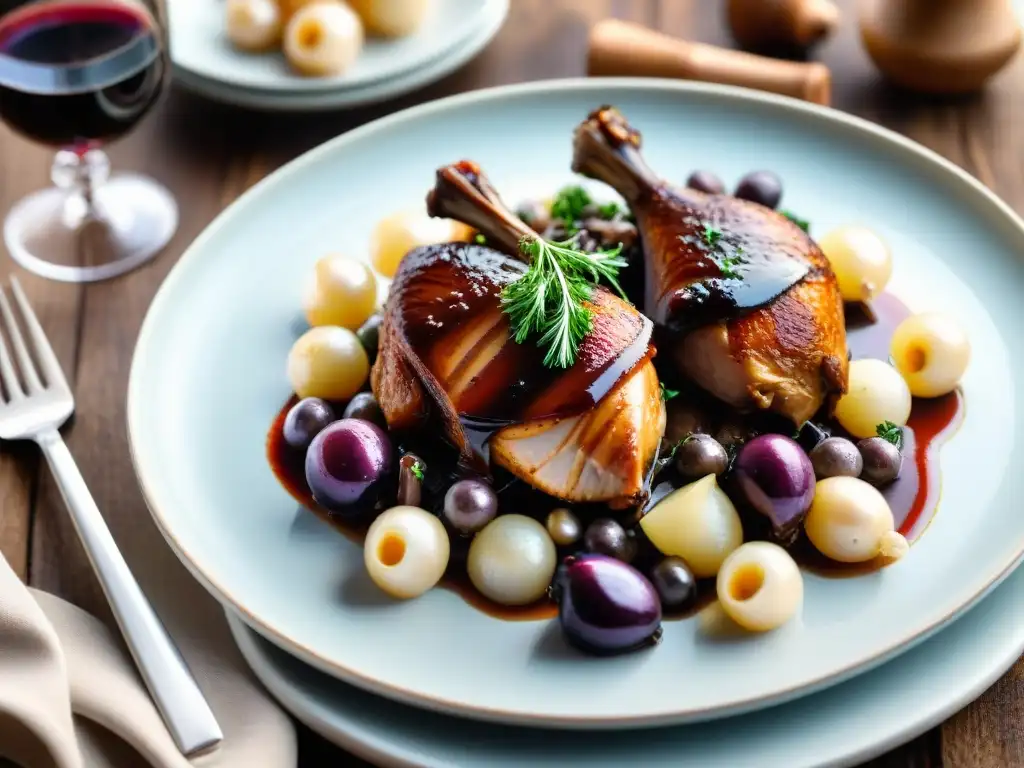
[(568, 205), (417, 470), (891, 433), (804, 224), (608, 210), (479, 239), (547, 302), (729, 265), (712, 235), (666, 393)]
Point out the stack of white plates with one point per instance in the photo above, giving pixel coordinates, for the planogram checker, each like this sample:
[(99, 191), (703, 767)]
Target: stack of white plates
[(869, 662), (205, 61)]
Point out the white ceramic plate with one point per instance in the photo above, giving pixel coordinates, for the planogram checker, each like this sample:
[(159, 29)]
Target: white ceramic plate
[(488, 25), (208, 377), (843, 726), (199, 46)]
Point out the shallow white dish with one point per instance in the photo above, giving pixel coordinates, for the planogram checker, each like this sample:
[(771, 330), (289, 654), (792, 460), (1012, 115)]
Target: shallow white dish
[(487, 26), (843, 726), (208, 377), (199, 46)]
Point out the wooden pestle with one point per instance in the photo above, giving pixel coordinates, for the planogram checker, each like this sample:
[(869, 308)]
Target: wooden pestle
[(620, 48)]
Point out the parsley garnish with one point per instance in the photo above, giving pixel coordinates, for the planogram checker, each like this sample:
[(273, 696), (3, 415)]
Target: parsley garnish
[(417, 470), (891, 433), (568, 206), (804, 224), (548, 299), (608, 210), (727, 264), (711, 235), (667, 394), (479, 239)]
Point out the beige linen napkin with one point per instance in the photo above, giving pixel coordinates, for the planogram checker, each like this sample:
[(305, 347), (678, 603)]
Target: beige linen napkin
[(70, 696)]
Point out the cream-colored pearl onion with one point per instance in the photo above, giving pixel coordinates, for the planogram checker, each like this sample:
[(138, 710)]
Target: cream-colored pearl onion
[(759, 586), (253, 25), (512, 560), (406, 551), (323, 38), (849, 520), (876, 393), (931, 351)]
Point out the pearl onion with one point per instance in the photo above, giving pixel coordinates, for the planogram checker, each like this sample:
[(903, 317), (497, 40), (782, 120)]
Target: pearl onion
[(563, 527), (698, 523), (391, 18), (253, 25), (931, 350), (327, 362), (512, 560), (876, 393), (759, 586), (397, 234), (406, 551), (323, 38), (849, 521), (860, 259), (343, 291)]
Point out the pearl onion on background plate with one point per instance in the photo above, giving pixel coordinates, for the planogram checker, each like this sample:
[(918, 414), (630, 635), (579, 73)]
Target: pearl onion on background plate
[(406, 551), (323, 38)]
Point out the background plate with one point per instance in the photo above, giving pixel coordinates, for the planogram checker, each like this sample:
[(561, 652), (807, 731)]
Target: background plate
[(488, 25), (199, 45), (843, 726), (208, 376)]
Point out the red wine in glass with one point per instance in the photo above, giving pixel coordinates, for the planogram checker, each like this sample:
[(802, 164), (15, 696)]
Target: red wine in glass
[(76, 74)]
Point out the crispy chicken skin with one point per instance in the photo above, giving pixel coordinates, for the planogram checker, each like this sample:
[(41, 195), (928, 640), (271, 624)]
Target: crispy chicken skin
[(750, 300)]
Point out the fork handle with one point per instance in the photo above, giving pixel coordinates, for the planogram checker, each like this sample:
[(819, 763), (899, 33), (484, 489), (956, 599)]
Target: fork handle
[(187, 715)]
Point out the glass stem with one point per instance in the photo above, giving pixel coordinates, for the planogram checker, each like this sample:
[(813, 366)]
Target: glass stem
[(80, 174)]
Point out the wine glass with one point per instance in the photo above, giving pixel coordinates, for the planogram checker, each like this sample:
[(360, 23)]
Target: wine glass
[(74, 75)]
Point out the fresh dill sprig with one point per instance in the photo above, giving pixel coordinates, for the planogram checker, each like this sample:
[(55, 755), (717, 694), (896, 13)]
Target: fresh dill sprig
[(891, 433), (666, 393), (548, 301)]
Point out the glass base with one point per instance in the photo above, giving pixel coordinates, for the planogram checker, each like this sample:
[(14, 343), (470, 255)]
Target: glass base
[(88, 227)]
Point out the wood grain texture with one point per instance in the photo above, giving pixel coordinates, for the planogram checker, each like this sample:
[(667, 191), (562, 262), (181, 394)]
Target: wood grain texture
[(208, 154)]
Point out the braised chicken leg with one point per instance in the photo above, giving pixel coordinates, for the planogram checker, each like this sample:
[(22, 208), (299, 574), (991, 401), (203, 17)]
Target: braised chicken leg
[(749, 299), (586, 433)]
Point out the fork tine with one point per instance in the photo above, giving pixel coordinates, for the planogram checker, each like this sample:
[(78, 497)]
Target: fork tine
[(25, 362), (48, 362), (8, 376)]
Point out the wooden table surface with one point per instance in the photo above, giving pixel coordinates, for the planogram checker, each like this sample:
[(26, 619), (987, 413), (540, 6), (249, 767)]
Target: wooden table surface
[(208, 155)]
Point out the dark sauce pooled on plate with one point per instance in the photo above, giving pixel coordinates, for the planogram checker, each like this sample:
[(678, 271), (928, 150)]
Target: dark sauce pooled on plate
[(913, 497)]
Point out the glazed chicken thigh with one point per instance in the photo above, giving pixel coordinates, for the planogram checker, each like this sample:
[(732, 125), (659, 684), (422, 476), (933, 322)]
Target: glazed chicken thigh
[(748, 299), (586, 433)]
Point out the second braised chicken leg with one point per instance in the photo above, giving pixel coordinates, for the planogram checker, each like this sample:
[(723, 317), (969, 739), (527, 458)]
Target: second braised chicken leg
[(748, 297)]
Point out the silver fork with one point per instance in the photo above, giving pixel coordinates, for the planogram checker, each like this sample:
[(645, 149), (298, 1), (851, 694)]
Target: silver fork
[(33, 409)]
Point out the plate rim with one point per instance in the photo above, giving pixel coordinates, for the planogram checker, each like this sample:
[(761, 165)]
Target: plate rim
[(836, 118), (372, 751)]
